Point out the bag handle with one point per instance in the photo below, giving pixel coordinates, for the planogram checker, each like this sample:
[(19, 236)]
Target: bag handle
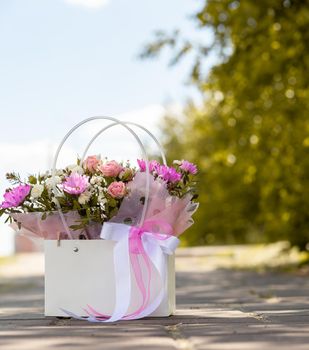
[(130, 123), (144, 153)]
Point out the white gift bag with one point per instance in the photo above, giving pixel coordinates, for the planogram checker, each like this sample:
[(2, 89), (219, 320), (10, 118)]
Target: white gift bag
[(81, 272)]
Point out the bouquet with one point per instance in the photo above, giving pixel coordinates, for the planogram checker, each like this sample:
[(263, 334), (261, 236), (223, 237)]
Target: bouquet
[(94, 191)]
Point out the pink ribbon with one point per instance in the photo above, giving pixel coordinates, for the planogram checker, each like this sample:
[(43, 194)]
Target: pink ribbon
[(136, 248), (151, 242)]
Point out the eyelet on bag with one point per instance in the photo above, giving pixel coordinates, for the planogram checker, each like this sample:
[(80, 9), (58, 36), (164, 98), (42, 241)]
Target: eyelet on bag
[(75, 249)]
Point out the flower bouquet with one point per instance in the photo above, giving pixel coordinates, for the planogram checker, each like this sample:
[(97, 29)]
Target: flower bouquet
[(123, 220)]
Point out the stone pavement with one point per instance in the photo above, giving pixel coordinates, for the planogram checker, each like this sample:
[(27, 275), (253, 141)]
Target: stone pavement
[(217, 308)]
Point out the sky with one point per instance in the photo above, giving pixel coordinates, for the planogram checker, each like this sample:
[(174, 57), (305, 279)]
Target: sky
[(62, 61)]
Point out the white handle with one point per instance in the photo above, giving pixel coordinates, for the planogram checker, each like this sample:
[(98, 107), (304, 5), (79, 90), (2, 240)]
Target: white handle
[(130, 123), (144, 153)]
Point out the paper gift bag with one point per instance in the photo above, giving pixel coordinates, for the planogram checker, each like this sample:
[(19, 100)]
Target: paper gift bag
[(110, 230), (81, 272)]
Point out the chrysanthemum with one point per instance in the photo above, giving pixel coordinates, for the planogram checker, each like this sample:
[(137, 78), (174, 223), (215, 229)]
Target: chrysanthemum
[(189, 167), (15, 196), (75, 183)]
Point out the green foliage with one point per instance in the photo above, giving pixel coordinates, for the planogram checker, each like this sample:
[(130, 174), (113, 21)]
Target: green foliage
[(250, 136)]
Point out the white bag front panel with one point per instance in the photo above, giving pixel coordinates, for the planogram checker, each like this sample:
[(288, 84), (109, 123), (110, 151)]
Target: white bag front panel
[(81, 272)]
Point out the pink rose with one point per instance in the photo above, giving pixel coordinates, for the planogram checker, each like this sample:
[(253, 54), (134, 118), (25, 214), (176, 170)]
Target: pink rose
[(91, 163), (111, 168), (117, 189)]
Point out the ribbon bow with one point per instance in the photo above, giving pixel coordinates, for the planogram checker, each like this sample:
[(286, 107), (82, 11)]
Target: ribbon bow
[(150, 243)]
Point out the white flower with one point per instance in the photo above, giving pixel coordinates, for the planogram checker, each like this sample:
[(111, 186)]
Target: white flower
[(51, 181), (74, 168), (96, 180), (101, 198), (37, 190), (99, 188), (84, 197), (178, 162)]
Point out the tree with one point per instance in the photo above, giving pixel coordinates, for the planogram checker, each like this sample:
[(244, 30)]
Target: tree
[(250, 137)]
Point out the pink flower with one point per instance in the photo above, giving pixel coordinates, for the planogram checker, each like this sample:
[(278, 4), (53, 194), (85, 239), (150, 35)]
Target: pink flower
[(91, 163), (188, 167), (75, 183), (117, 189), (142, 165), (168, 173), (15, 196), (111, 168)]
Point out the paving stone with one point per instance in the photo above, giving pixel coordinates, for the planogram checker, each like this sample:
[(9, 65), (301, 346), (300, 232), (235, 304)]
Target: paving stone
[(216, 309)]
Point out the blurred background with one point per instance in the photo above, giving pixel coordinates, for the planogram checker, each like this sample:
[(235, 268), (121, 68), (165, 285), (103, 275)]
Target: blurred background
[(249, 132), (223, 84)]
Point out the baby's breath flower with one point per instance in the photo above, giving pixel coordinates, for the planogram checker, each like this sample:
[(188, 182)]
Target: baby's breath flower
[(97, 180), (101, 198), (100, 188)]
